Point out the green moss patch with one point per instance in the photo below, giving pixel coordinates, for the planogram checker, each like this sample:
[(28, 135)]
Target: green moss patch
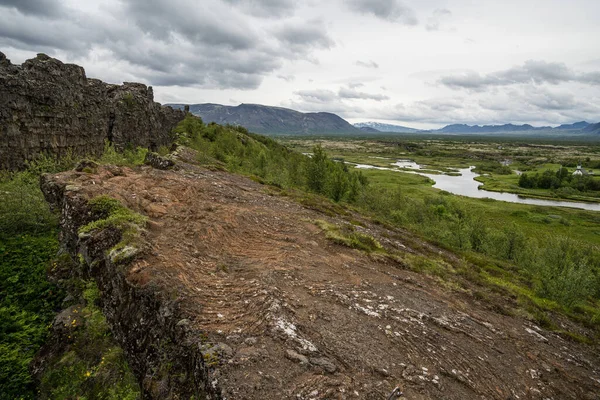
[(112, 214), (348, 236)]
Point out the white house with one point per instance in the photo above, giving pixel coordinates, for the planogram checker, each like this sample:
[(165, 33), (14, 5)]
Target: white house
[(580, 171)]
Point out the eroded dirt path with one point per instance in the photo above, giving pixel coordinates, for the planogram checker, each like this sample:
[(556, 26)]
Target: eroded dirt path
[(285, 313)]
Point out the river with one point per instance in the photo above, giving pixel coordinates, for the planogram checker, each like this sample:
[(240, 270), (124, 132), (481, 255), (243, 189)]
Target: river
[(466, 185)]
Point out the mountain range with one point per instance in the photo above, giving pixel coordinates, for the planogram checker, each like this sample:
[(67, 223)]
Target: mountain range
[(507, 128), (284, 121), (472, 129), (272, 120), (592, 128), (379, 127)]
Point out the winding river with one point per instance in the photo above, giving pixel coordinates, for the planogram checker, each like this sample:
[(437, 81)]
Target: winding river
[(466, 185)]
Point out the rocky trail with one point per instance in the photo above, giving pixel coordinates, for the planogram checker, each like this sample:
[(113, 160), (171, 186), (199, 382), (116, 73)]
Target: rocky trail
[(278, 311)]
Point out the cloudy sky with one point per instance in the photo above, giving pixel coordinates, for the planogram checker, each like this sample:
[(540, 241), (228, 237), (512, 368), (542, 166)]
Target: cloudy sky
[(420, 63)]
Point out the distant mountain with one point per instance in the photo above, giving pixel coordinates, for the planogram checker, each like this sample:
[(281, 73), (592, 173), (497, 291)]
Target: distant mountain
[(277, 120), (592, 128), (575, 126), (386, 127), (462, 128), (273, 120), (368, 129)]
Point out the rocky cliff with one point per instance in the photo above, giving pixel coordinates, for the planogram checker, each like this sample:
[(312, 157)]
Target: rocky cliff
[(147, 323), (47, 106)]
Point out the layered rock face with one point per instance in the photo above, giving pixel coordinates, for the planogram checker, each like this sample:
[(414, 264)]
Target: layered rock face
[(47, 106)]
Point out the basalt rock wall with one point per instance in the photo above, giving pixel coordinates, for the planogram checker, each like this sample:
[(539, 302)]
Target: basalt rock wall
[(162, 352), (50, 107)]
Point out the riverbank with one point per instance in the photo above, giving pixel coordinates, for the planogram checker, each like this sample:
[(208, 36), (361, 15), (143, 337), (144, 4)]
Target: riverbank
[(502, 184)]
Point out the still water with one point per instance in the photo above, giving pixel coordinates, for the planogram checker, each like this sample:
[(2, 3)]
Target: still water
[(466, 185)]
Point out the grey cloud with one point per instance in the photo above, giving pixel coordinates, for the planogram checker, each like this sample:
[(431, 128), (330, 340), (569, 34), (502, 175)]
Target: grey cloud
[(196, 22), (327, 96), (304, 35), (42, 8), (545, 99), (336, 107), (390, 10), (287, 78), (72, 32), (210, 44), (266, 8), (349, 93), (367, 64), (526, 105), (319, 95), (354, 85), (536, 72)]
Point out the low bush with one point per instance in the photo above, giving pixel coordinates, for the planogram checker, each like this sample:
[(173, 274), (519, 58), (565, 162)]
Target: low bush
[(251, 154)]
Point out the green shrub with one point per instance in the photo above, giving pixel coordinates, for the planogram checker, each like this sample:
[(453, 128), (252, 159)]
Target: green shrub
[(44, 163), (316, 171), (239, 151), (29, 302), (338, 182), (126, 158), (564, 272)]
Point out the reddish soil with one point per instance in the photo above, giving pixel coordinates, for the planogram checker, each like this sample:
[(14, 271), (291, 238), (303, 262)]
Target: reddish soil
[(287, 314)]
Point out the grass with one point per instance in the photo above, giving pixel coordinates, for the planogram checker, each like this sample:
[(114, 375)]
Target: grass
[(533, 220), (349, 236), (543, 259), (487, 155), (29, 301)]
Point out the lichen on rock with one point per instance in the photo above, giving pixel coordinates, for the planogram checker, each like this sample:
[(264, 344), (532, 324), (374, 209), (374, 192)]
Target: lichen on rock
[(159, 162)]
